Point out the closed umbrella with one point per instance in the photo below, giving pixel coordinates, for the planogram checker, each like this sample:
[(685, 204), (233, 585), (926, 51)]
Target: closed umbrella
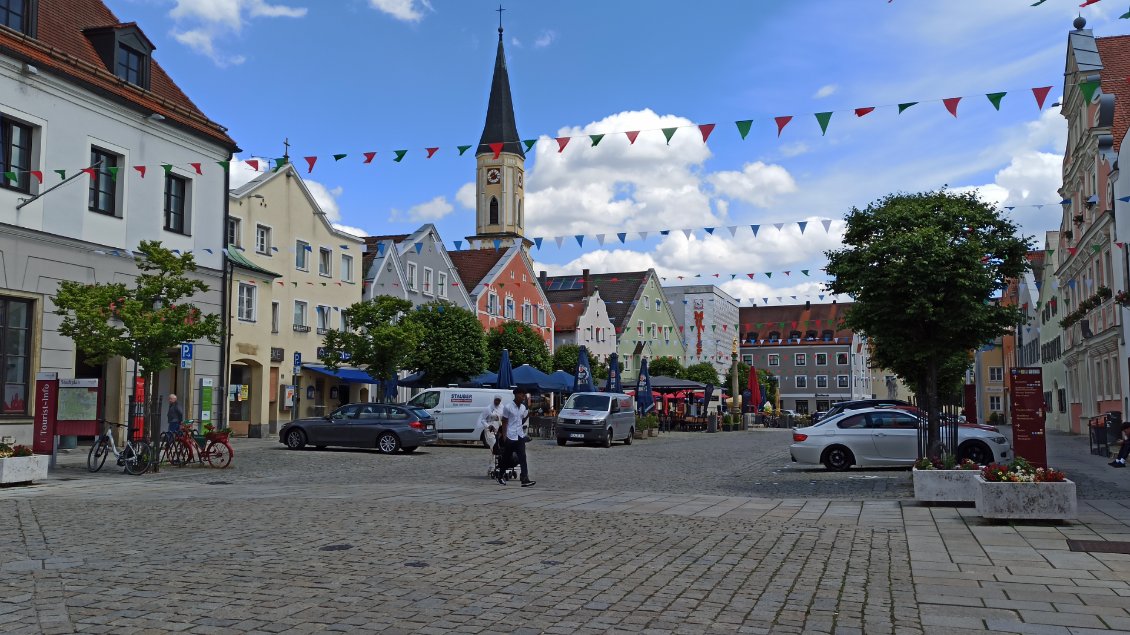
[(754, 390), (583, 382), (390, 388), (706, 398), (645, 401), (614, 374), (505, 373)]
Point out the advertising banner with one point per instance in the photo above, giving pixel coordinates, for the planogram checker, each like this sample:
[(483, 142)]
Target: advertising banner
[(1027, 406), (46, 396), (205, 399)]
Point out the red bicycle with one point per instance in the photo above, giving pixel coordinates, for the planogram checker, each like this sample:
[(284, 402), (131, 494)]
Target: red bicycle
[(188, 447)]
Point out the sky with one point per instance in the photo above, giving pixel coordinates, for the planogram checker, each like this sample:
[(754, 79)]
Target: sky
[(350, 76)]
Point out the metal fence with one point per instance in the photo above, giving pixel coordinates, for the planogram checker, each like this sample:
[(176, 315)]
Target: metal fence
[(949, 418)]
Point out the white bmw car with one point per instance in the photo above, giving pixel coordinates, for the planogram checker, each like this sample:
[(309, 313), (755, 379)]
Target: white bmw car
[(885, 437)]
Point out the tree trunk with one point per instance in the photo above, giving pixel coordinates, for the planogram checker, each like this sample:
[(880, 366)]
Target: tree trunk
[(153, 419), (933, 428)]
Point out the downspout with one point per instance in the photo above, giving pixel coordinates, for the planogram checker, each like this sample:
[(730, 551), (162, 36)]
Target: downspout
[(225, 328)]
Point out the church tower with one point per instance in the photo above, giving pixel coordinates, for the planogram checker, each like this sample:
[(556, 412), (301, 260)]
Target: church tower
[(500, 168)]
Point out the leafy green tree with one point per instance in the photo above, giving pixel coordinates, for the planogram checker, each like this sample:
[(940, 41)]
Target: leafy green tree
[(525, 344), (379, 338), (567, 356), (702, 372), (454, 346), (923, 270), (743, 376), (769, 388), (666, 367), (143, 322)]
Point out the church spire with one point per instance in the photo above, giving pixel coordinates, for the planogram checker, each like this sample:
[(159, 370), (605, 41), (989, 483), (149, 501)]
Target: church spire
[(500, 126)]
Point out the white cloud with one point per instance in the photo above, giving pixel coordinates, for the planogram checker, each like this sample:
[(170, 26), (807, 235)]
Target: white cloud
[(757, 184), (466, 195), (826, 90), (215, 19), (426, 212), (601, 261), (404, 10), (241, 173), (326, 198), (546, 38), (356, 231), (515, 42), (794, 149)]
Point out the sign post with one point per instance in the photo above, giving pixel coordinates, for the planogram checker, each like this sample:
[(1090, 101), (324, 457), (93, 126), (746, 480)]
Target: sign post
[(1027, 403), (297, 385), (46, 398), (186, 350)]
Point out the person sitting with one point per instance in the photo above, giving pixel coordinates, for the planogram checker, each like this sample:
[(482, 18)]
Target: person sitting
[(1124, 451)]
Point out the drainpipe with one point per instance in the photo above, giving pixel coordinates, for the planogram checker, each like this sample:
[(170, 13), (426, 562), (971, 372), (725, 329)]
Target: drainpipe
[(225, 328)]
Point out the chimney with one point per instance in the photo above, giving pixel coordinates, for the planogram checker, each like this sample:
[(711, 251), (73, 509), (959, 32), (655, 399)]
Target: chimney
[(807, 304), (587, 284), (543, 280)]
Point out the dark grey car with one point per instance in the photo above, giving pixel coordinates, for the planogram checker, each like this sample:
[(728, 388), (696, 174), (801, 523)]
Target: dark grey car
[(385, 427)]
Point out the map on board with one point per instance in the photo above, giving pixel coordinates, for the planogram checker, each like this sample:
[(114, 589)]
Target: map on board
[(78, 404)]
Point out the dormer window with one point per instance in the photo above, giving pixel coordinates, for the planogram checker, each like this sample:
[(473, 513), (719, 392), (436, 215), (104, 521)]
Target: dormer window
[(19, 15), (124, 50)]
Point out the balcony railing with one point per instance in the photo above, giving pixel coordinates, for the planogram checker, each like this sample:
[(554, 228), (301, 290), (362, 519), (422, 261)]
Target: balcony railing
[(1099, 321), (301, 328)]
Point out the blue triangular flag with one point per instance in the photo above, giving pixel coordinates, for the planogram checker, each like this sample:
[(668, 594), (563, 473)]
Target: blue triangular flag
[(1071, 283), (621, 236), (709, 230), (580, 240), (497, 243), (1065, 201), (755, 228), (207, 250), (766, 300), (345, 247), (537, 241), (1010, 207), (1124, 199), (458, 245), (381, 249), (802, 224), (419, 247), (821, 296)]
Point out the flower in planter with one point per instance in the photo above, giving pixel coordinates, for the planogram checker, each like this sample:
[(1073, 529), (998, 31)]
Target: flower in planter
[(21, 450), (1021, 471), (5, 450)]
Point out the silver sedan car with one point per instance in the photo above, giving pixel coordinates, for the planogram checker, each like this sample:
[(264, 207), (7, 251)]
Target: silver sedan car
[(884, 437)]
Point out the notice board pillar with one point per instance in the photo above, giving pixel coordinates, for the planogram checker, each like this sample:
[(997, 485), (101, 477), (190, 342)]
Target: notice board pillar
[(1027, 402)]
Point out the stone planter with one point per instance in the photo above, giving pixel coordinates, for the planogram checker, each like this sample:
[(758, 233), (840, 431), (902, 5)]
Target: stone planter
[(651, 432), (1026, 501), (23, 469), (638, 434), (945, 486)]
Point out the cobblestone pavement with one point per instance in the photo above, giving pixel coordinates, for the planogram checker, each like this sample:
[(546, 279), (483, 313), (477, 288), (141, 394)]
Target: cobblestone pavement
[(299, 542)]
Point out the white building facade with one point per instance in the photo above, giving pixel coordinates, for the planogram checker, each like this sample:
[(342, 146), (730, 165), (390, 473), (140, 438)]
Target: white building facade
[(708, 319)]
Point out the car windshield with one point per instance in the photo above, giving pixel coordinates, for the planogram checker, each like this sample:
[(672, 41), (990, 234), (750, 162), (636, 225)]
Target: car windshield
[(587, 402), (425, 400)]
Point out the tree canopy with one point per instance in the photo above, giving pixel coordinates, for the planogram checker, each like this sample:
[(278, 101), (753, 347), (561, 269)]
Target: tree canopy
[(665, 366), (924, 270), (453, 347), (702, 372), (379, 338), (525, 344)]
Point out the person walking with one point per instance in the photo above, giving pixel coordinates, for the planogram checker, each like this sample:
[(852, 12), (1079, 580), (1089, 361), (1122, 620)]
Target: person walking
[(175, 415), (513, 437), (1124, 451), (489, 421)]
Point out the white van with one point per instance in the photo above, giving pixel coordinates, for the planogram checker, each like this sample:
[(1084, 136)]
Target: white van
[(457, 410), (597, 416)]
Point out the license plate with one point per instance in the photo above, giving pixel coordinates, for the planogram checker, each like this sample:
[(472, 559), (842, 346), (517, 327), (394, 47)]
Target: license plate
[(577, 435)]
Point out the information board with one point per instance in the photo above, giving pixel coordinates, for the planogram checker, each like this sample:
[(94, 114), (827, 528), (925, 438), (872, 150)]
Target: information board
[(1027, 405), (46, 391), (78, 407)]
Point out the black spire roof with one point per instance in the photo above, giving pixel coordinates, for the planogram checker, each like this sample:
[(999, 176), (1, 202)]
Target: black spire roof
[(500, 126)]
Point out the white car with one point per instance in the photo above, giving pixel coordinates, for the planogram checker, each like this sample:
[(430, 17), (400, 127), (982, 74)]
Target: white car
[(884, 437)]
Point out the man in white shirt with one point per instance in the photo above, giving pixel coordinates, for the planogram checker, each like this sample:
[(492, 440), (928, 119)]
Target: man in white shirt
[(514, 418), (489, 421)]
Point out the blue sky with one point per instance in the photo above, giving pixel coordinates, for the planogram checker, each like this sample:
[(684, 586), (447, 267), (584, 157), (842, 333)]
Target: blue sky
[(356, 75)]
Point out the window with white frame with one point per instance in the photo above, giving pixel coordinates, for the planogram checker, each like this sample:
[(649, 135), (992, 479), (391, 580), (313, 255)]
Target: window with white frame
[(800, 359), (821, 359), (428, 290), (346, 268), (325, 262), (841, 359), (492, 304), (234, 232), (995, 403), (410, 274), (841, 381), (246, 304), (441, 284), (821, 381), (654, 329), (274, 317), (301, 255), (802, 381), (996, 373), (639, 327), (646, 303), (527, 312), (658, 304), (774, 359), (509, 315), (323, 319), (541, 316), (344, 321), (300, 313), (748, 359), (263, 240)]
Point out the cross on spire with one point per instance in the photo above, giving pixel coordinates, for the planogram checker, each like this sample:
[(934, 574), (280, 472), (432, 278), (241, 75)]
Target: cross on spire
[(286, 149), (500, 10)]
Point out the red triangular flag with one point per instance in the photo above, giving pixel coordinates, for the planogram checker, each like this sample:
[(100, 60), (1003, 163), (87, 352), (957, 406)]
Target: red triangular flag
[(781, 123), (1088, 3), (196, 166), (254, 163), (1072, 250), (369, 156), (706, 129), (951, 104), (632, 134), (432, 151), (90, 171), (1041, 94), (310, 161), (1120, 245), (562, 142), (38, 176), (140, 170), (496, 148), (859, 112)]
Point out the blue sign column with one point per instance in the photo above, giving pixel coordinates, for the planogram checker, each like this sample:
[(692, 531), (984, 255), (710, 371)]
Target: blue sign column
[(186, 354)]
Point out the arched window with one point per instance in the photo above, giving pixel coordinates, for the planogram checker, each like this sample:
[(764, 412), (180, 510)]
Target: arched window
[(493, 211), (519, 212)]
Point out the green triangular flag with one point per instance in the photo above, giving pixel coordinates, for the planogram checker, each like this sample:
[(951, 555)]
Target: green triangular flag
[(597, 137), (996, 99), (11, 176), (744, 126), (168, 167), (339, 157), (463, 149), (226, 165), (669, 132), (1051, 252), (804, 271), (62, 174), (399, 155), (113, 172), (768, 274), (1096, 248), (1088, 89), (529, 143), (908, 104), (823, 118), (279, 162)]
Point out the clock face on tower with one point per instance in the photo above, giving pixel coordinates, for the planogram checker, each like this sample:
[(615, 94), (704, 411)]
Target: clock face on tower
[(493, 175), (520, 180)]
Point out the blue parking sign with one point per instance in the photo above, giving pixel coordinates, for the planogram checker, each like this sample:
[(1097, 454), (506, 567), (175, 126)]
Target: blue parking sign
[(297, 358), (186, 351)]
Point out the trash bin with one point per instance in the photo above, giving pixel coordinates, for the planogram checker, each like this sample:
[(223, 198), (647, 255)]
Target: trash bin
[(712, 423)]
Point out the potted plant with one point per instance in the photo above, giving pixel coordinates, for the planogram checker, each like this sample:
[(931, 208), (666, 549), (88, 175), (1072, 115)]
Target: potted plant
[(640, 430), (652, 425), (945, 480), (1019, 491), (18, 464)]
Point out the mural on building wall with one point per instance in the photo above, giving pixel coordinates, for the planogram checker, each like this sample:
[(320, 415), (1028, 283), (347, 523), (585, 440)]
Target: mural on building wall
[(698, 322)]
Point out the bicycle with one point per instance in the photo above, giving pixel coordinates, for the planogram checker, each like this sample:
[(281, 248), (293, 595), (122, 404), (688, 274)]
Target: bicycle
[(134, 456), (173, 451), (216, 451)]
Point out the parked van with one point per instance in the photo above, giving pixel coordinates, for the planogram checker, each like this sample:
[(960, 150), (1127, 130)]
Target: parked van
[(457, 410), (597, 416)]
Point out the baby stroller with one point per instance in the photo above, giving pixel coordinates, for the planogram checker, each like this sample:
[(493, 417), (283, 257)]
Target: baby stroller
[(503, 464)]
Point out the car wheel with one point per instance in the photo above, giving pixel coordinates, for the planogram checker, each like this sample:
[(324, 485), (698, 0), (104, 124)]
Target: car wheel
[(387, 443), (295, 439), (838, 458), (631, 433), (560, 441), (608, 439), (409, 450), (975, 451)]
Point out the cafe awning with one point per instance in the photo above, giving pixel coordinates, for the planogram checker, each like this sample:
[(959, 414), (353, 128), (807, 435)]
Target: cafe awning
[(346, 374)]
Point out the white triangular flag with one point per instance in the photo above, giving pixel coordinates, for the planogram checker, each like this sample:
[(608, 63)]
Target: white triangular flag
[(688, 233), (733, 230), (827, 225), (779, 226), (559, 240), (643, 235), (600, 239)]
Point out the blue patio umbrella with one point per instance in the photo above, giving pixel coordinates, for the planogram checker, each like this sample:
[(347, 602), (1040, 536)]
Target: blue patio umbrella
[(505, 373), (486, 379), (529, 377), (645, 401), (563, 380), (390, 386), (706, 397), (583, 382), (614, 373)]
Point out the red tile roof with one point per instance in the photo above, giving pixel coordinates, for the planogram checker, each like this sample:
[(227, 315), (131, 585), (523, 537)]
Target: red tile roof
[(1115, 55), (620, 291), (61, 47), (764, 319), (567, 316), (371, 249), (474, 264)]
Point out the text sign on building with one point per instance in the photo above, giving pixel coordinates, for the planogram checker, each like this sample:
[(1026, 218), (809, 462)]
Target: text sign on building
[(1027, 406), (46, 394)]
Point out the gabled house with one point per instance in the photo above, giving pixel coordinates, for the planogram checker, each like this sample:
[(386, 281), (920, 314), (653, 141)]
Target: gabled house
[(415, 267), (583, 322), (503, 288), (644, 323), (1048, 307)]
